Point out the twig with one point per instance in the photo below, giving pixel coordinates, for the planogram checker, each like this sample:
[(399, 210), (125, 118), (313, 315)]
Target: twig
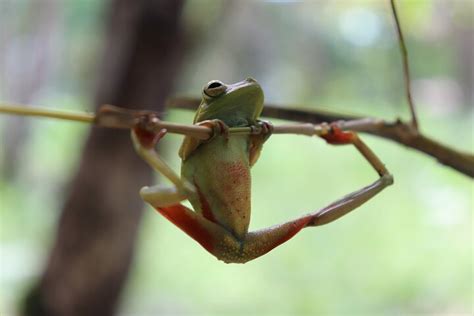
[(110, 116), (18, 109), (406, 68), (397, 131)]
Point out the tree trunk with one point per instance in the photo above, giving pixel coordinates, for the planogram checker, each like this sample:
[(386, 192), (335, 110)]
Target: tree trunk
[(100, 219)]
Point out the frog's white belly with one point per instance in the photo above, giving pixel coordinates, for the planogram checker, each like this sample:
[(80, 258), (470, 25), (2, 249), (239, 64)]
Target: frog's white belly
[(221, 173)]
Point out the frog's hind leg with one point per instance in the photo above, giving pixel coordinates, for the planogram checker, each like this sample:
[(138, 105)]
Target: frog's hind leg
[(230, 249), (260, 242), (144, 143), (213, 237)]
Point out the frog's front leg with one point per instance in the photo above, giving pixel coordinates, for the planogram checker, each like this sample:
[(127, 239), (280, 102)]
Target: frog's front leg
[(144, 142), (190, 144), (256, 141)]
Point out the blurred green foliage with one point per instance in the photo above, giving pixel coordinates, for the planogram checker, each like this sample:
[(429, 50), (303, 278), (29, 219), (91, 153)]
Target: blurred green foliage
[(408, 251)]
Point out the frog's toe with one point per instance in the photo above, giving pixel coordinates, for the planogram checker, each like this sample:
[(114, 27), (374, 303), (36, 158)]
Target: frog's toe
[(219, 128), (267, 128)]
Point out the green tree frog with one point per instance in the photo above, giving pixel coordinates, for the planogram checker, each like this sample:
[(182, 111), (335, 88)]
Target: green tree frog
[(215, 177)]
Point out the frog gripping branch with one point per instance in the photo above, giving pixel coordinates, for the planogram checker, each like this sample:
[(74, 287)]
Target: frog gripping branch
[(215, 175), (217, 153)]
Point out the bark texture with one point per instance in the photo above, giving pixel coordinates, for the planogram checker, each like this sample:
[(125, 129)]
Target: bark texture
[(99, 222)]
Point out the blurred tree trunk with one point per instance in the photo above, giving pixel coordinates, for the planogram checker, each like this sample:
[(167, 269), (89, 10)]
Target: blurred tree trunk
[(99, 223)]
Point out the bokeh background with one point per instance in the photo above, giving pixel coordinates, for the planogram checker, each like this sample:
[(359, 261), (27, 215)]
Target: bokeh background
[(408, 251)]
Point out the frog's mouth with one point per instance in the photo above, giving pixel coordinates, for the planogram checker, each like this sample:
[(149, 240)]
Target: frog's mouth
[(250, 88)]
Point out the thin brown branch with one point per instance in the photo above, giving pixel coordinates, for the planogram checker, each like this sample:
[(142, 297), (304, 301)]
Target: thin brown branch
[(397, 131), (110, 116), (114, 117), (406, 67), (23, 110)]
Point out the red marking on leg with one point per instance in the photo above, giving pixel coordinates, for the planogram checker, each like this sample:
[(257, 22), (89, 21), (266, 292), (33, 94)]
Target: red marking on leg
[(178, 215), (338, 137), (294, 228), (148, 139), (206, 208)]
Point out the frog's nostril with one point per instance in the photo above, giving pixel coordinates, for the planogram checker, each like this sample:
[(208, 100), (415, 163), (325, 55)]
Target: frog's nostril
[(250, 79)]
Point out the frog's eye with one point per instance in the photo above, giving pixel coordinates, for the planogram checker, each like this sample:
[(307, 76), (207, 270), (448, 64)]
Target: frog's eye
[(214, 88)]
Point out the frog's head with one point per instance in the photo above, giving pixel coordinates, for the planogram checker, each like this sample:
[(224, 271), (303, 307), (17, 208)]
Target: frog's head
[(231, 102)]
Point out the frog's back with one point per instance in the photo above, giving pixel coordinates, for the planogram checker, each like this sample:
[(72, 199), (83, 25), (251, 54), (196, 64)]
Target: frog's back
[(221, 173)]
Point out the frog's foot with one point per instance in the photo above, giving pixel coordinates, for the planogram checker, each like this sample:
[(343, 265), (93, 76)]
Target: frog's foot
[(160, 196), (143, 134), (219, 128), (336, 136)]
